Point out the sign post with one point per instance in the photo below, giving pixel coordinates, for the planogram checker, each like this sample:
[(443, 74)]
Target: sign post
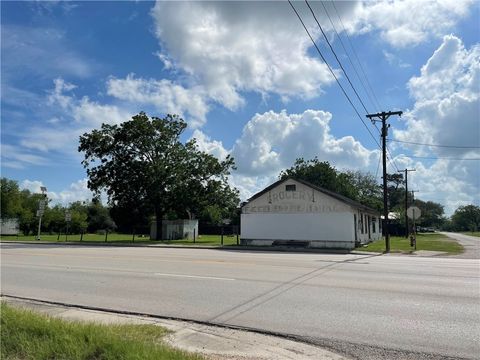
[(68, 218), (414, 213), (40, 212)]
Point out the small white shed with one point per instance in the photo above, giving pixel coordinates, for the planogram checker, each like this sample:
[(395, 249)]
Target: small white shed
[(297, 213)]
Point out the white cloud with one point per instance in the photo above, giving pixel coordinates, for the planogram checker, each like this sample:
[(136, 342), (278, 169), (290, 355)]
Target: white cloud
[(165, 95), (446, 112), (17, 158), (231, 47), (73, 117), (405, 23), (271, 142), (212, 147), (77, 191), (41, 52), (446, 109), (33, 186)]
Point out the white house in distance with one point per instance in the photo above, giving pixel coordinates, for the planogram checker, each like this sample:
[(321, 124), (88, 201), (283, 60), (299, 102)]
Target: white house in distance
[(297, 213)]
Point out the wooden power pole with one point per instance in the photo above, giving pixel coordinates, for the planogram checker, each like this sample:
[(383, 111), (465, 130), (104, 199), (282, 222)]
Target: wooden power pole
[(383, 116)]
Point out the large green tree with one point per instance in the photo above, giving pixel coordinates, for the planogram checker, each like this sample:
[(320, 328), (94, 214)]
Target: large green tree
[(358, 186), (19, 204), (432, 213), (143, 162), (466, 218)]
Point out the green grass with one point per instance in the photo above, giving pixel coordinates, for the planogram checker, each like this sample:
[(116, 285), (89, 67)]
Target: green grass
[(212, 240), (28, 335), (113, 237), (207, 240), (431, 242), (472, 233)]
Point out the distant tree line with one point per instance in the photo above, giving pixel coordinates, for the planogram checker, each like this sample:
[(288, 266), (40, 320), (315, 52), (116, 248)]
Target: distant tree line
[(19, 204), (86, 216)]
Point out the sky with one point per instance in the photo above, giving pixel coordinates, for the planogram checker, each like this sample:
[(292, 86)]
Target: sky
[(249, 82)]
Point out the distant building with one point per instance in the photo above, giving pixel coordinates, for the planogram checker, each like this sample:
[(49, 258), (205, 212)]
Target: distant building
[(176, 229), (9, 227), (295, 212)]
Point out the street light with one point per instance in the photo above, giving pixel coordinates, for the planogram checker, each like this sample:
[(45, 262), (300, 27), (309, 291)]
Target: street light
[(41, 209)]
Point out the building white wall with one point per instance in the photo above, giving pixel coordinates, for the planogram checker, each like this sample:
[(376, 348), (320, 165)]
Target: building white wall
[(9, 226), (363, 226), (322, 227)]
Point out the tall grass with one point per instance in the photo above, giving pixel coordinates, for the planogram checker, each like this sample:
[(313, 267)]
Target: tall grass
[(28, 335)]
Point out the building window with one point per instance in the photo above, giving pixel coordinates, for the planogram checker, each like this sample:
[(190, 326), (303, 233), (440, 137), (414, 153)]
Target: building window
[(373, 224), (361, 223), (290, 188)]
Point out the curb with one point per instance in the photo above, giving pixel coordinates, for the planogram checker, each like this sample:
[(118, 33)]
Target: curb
[(206, 247)]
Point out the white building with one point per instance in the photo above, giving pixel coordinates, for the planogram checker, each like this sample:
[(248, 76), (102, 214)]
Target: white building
[(295, 212), (9, 227)]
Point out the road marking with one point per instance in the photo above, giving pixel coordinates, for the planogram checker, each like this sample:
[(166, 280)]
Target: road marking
[(195, 276)]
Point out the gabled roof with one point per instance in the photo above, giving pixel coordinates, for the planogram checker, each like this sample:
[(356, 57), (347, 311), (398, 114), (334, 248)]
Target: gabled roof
[(335, 195)]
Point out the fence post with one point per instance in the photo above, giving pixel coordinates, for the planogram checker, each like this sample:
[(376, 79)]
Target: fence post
[(81, 236), (106, 234), (222, 236), (133, 238), (194, 231), (237, 228)]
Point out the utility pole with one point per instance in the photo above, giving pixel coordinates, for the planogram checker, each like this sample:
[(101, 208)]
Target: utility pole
[(414, 226), (406, 199), (383, 116)]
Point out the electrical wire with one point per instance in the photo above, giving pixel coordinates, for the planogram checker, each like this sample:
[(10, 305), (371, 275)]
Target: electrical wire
[(336, 57), (392, 161), (348, 55), (378, 165), (331, 71), (436, 145), (356, 56), (440, 158)]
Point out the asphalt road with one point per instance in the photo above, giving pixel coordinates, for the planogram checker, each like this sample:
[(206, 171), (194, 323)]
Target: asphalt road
[(365, 306)]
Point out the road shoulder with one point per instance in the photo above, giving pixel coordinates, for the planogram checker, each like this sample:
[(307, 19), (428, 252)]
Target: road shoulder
[(214, 342)]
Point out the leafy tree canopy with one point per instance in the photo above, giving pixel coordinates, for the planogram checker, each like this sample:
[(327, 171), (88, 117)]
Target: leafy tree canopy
[(354, 185), (466, 218), (142, 162)]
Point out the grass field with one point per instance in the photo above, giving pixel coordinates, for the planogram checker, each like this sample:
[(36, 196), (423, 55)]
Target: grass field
[(474, 233), (113, 237), (211, 240), (28, 335), (432, 242)]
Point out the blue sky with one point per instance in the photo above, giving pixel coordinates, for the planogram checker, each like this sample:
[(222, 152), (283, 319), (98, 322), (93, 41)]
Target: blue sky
[(248, 81)]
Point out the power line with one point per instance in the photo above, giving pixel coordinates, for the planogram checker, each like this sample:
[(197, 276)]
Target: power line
[(356, 56), (348, 55), (440, 158), (378, 165), (336, 57), (392, 162), (331, 71), (437, 145)]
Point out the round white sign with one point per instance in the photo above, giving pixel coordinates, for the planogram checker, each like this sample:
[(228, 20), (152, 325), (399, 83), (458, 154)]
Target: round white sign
[(413, 212)]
